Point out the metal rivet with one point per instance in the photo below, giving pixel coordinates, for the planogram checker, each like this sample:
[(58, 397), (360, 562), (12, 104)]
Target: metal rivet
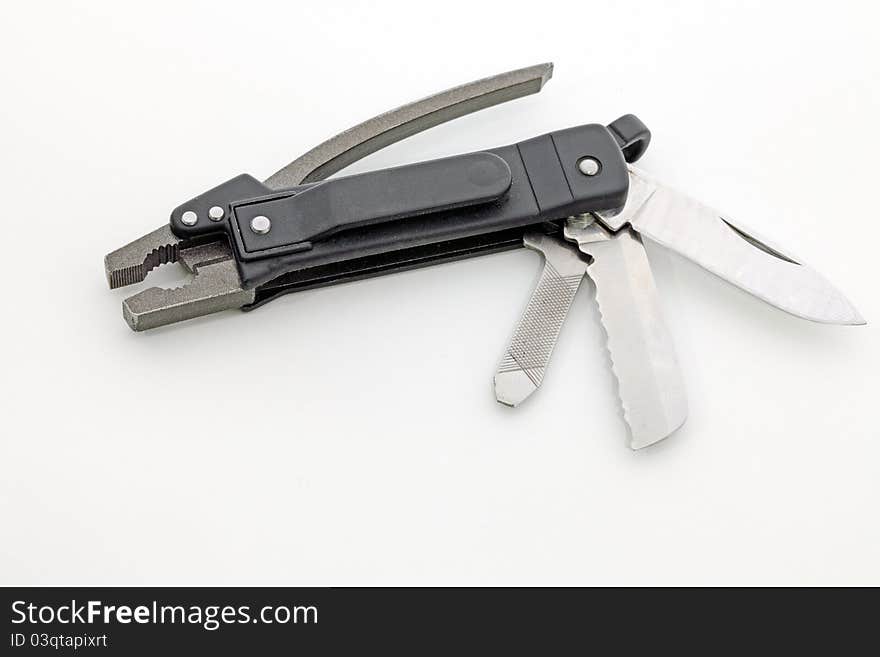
[(260, 224), (589, 166), (189, 218), (216, 213)]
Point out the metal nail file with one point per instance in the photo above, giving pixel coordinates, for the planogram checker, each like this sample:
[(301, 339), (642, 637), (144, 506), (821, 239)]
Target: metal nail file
[(526, 357)]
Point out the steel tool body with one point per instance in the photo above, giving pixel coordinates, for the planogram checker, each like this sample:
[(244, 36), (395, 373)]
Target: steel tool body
[(571, 195)]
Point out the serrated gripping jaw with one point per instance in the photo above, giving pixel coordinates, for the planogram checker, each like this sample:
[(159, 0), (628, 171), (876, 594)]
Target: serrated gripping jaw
[(215, 285), (131, 263)]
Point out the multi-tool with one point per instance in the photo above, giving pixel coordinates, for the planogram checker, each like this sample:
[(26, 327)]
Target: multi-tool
[(570, 195)]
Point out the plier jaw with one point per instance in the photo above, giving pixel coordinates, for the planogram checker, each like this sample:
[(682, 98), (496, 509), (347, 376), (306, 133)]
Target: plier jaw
[(215, 283), (131, 263)]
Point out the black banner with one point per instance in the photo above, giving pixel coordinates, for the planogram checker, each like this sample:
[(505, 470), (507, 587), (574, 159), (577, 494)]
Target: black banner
[(170, 621)]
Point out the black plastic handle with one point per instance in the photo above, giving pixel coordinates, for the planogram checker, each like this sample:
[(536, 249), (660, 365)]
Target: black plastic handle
[(371, 198), (359, 218)]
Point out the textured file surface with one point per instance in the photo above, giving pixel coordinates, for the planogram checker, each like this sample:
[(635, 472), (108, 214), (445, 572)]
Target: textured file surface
[(525, 360)]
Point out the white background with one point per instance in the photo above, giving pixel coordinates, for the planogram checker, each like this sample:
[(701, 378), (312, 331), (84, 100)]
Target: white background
[(349, 435)]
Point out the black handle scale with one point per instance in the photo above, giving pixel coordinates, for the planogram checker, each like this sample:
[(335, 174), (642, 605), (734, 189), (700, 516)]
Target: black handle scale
[(316, 212), (414, 215)]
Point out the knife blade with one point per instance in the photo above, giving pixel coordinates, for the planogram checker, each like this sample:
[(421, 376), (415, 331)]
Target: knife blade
[(730, 251)]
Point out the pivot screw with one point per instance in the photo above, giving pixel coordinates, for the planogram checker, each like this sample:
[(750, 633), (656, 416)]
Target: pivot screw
[(261, 225), (589, 166), (216, 213), (189, 218)]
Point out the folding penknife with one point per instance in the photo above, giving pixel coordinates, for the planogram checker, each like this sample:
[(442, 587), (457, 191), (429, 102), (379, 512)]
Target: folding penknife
[(571, 195)]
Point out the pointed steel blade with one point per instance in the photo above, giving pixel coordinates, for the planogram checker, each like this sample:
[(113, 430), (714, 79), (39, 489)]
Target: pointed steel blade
[(731, 252), (643, 359), (526, 358)]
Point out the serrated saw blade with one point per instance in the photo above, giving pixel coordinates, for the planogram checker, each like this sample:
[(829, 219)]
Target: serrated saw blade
[(642, 355)]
